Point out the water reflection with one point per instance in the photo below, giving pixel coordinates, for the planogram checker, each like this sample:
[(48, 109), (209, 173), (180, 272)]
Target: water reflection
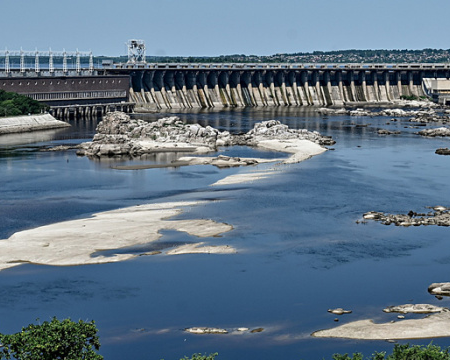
[(30, 137)]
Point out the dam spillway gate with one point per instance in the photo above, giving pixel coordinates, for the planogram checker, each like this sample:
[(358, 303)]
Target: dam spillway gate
[(169, 87)]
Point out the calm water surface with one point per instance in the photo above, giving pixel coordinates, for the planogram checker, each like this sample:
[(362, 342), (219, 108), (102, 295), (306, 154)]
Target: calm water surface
[(301, 251)]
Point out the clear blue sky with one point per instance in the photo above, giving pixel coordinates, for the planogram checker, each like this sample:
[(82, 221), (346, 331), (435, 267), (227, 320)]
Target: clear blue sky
[(218, 27)]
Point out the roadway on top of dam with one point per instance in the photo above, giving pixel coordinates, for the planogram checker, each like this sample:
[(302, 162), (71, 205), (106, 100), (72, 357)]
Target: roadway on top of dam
[(279, 66)]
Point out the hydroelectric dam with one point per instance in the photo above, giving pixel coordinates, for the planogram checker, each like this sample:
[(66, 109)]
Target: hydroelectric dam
[(185, 86), (71, 84)]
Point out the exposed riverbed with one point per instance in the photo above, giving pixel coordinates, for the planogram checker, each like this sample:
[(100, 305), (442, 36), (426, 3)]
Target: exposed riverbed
[(300, 248)]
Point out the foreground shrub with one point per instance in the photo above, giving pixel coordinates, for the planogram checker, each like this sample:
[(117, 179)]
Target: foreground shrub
[(54, 340), (403, 352)]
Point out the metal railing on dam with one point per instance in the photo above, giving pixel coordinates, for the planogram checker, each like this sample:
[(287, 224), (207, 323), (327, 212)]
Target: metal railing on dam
[(175, 86), (272, 66)]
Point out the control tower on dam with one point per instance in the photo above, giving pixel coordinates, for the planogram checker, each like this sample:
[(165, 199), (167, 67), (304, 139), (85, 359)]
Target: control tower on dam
[(178, 86)]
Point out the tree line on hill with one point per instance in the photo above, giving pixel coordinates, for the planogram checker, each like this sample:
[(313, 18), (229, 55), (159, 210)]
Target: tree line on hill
[(338, 56)]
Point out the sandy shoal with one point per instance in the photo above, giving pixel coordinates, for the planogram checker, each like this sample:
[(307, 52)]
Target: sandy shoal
[(73, 242), (301, 150), (432, 326)]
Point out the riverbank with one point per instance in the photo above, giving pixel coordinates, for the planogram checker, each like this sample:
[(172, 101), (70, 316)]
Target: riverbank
[(26, 123)]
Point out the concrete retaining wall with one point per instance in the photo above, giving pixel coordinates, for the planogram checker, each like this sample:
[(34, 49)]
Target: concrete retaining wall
[(27, 123)]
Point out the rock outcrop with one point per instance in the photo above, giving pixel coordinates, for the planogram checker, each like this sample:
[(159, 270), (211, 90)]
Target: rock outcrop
[(339, 311), (275, 130), (387, 132), (117, 134), (415, 309), (439, 216), (440, 289), (212, 330), (442, 131), (442, 151)]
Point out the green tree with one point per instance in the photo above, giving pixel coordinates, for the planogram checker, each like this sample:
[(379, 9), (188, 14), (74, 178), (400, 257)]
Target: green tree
[(13, 104), (54, 340)]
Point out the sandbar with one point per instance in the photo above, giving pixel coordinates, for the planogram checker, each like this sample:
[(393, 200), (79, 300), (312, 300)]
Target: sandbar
[(73, 242), (26, 123), (432, 326), (301, 150)]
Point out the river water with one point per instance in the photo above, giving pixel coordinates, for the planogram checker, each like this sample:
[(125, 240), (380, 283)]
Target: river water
[(300, 250)]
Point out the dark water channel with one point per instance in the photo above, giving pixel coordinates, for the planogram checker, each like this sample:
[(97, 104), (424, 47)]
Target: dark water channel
[(300, 250)]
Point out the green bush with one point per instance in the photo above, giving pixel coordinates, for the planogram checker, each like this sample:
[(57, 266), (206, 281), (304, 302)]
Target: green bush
[(54, 340), (408, 97), (404, 352), (13, 104)]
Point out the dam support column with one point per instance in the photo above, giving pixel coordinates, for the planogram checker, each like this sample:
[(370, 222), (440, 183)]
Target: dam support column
[(376, 90), (292, 79), (280, 88), (270, 89), (411, 83), (180, 88), (340, 85), (213, 80), (351, 74), (258, 88), (306, 88), (224, 88), (388, 85), (398, 78), (152, 94), (329, 91), (364, 85)]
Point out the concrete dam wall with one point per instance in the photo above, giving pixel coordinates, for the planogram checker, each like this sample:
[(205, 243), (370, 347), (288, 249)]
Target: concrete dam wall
[(183, 89)]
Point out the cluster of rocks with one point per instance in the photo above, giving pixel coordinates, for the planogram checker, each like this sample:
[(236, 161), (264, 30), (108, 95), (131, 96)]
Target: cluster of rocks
[(430, 116), (387, 132), (421, 116), (443, 151), (117, 134), (343, 111), (273, 129), (440, 216), (415, 309), (212, 330), (339, 311), (439, 289), (442, 131)]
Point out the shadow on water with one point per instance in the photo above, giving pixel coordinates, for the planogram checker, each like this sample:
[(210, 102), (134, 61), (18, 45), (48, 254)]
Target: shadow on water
[(171, 239)]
